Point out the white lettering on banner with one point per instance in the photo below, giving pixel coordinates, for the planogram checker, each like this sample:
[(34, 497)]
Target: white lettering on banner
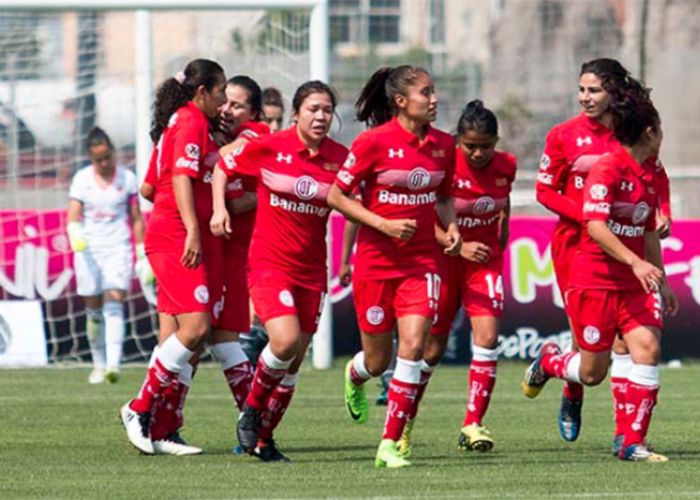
[(298, 207), (625, 229), (527, 342), (32, 275), (407, 199), (598, 208)]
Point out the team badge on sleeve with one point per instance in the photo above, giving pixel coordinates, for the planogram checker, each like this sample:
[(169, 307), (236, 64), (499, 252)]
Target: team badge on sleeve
[(598, 191), (350, 161), (192, 151), (545, 162)]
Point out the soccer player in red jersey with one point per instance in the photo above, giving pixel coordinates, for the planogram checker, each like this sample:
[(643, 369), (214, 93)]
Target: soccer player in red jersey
[(571, 148), (481, 192), (273, 108), (288, 274), (406, 166), (175, 245), (617, 283)]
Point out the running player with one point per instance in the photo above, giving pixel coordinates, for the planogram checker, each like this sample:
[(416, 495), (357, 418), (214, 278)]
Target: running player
[(617, 284), (406, 166), (288, 276), (174, 241), (481, 189), (103, 204), (571, 148)]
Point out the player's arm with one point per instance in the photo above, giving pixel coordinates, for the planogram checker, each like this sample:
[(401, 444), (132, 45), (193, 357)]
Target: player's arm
[(74, 227), (446, 213), (136, 221), (349, 236), (504, 227), (184, 197), (663, 216), (654, 254), (550, 180)]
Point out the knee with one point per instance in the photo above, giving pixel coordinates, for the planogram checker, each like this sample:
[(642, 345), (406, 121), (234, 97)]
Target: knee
[(593, 376), (200, 330), (376, 365)]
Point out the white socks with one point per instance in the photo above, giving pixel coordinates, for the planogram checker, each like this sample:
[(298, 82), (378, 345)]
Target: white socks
[(229, 354), (114, 333), (173, 355)]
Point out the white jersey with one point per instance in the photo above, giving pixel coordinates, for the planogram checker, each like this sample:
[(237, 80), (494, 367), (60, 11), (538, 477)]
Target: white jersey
[(105, 208)]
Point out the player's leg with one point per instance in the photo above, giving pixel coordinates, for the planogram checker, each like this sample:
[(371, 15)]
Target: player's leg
[(620, 368), (113, 310), (375, 317), (89, 286)]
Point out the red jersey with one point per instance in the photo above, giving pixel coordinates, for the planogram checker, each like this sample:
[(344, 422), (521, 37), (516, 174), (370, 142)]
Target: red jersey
[(292, 214), (185, 148), (571, 149), (623, 194), (403, 177), (236, 186), (479, 196)]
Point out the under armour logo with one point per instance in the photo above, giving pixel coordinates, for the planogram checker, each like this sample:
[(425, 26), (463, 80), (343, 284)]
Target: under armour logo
[(397, 153), (580, 141), (461, 184), (284, 158), (627, 186)]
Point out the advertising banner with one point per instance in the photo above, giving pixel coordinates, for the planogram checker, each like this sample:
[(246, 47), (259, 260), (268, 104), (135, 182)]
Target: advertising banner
[(22, 334)]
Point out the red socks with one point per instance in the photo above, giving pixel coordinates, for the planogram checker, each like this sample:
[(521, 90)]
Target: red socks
[(482, 379)]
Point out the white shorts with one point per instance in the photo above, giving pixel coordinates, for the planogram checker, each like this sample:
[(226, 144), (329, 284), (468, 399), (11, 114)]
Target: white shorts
[(105, 269)]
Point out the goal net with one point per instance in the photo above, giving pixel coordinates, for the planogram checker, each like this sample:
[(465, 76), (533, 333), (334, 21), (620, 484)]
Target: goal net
[(61, 72)]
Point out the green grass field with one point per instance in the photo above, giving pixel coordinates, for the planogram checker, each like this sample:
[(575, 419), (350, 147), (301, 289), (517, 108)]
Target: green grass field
[(61, 438)]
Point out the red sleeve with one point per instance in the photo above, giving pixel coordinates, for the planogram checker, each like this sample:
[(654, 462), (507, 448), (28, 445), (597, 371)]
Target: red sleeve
[(234, 187), (190, 138), (445, 188), (663, 188), (357, 165), (244, 160), (599, 192), (551, 177), (511, 167), (151, 176)]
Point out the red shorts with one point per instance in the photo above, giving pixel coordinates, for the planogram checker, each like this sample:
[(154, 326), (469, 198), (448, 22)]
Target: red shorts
[(477, 287), (213, 260), (274, 295), (236, 314), (598, 315), (379, 302), (563, 250), (180, 290)]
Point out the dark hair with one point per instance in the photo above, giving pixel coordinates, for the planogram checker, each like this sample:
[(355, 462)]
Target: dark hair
[(632, 113), (478, 118), (97, 137), (375, 104), (254, 93), (271, 96), (312, 87), (175, 92), (614, 78)]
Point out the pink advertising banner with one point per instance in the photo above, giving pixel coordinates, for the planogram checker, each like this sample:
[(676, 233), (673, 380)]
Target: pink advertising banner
[(36, 264)]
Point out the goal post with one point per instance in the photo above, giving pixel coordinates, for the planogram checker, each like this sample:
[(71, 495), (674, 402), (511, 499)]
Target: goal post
[(143, 80)]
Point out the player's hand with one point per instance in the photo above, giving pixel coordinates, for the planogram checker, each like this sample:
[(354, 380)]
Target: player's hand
[(670, 299), (143, 268), (663, 226), (402, 229), (77, 240), (454, 240), (345, 275), (192, 254), (648, 275), (220, 223), (476, 251)]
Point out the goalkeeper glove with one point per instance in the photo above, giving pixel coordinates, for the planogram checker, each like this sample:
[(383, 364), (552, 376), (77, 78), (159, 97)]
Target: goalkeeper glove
[(143, 268), (76, 237)]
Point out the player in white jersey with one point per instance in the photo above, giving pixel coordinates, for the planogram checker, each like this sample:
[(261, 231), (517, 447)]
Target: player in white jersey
[(102, 206)]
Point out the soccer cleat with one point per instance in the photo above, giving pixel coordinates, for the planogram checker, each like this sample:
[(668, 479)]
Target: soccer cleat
[(617, 444), (174, 445), (388, 456), (355, 398), (267, 451), (112, 376), (475, 437), (247, 428), (640, 453), (570, 418), (137, 426), (535, 378), (404, 443), (97, 376)]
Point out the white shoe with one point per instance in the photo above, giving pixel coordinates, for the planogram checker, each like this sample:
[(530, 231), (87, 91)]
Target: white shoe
[(137, 426), (174, 445), (97, 376), (112, 375)]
